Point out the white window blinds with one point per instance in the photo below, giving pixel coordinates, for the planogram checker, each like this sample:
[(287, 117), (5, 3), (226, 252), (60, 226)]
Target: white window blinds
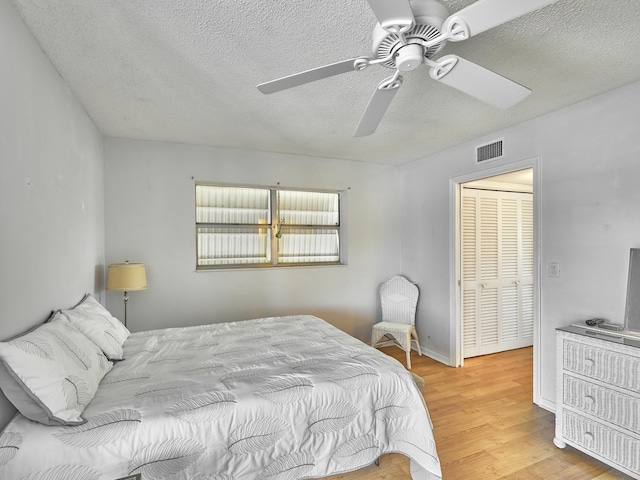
[(243, 226)]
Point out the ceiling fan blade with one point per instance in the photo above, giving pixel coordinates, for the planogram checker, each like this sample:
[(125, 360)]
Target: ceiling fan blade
[(478, 82), (312, 75), (377, 107), (394, 16), (485, 14)]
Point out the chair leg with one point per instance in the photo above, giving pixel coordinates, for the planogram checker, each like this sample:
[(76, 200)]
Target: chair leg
[(409, 350), (415, 335)]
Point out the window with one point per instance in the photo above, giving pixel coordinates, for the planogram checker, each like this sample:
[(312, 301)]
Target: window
[(254, 227)]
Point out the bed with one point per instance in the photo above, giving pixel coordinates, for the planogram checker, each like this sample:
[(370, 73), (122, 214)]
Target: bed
[(282, 398)]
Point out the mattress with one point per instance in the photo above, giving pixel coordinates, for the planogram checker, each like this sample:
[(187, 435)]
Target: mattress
[(282, 398)]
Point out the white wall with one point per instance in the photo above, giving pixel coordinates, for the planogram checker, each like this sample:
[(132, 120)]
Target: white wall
[(51, 189), (150, 218), (589, 217)]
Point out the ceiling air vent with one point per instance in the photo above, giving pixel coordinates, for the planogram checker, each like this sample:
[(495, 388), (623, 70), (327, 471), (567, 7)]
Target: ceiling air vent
[(490, 151)]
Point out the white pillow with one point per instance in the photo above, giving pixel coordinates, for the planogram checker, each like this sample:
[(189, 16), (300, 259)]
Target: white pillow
[(26, 405), (57, 367), (99, 326), (18, 396)]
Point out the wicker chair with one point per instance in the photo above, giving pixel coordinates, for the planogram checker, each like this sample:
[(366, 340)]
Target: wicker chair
[(399, 299)]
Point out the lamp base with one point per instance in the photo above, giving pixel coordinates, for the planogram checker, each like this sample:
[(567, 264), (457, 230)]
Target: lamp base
[(125, 298)]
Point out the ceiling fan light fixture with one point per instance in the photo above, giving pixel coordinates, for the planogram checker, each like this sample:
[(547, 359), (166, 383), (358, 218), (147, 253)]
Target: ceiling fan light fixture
[(409, 57)]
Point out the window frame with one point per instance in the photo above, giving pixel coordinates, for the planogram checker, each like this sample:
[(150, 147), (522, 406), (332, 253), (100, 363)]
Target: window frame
[(275, 227)]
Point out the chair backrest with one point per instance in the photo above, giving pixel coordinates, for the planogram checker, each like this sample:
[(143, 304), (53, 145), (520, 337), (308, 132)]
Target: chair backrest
[(399, 299)]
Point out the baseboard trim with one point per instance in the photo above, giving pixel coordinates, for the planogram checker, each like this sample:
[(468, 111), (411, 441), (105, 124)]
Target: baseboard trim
[(425, 351), (546, 404), (436, 356)]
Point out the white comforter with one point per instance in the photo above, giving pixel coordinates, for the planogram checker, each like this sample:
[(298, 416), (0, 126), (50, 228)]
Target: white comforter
[(281, 398)]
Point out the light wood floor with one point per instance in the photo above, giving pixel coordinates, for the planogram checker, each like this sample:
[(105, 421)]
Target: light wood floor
[(486, 425)]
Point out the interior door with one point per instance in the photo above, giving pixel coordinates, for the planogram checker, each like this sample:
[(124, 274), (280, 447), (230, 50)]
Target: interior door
[(497, 271)]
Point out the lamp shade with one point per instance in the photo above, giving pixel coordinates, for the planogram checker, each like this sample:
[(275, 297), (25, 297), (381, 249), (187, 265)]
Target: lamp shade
[(126, 277)]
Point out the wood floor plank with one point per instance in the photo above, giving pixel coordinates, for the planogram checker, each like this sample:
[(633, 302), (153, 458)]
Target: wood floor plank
[(486, 426)]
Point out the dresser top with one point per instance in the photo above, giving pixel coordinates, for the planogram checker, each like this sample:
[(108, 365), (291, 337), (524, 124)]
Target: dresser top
[(607, 336)]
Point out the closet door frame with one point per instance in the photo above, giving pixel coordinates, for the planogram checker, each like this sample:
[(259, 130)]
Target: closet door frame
[(482, 171)]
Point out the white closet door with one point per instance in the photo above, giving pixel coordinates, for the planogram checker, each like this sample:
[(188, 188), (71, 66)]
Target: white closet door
[(497, 271)]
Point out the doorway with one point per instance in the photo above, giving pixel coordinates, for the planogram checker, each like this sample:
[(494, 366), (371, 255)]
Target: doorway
[(532, 165), (496, 263), (517, 176)]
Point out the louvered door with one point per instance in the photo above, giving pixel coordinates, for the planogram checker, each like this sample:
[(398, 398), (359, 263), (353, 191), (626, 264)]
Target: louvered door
[(497, 271)]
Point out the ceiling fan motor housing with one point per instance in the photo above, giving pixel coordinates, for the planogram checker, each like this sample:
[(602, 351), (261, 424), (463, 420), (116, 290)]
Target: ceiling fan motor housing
[(429, 16)]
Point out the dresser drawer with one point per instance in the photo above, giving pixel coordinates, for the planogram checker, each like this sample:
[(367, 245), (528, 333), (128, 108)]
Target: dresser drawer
[(606, 442), (605, 365), (607, 404)]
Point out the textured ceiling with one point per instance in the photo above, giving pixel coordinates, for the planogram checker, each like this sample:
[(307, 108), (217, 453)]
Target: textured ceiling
[(186, 70)]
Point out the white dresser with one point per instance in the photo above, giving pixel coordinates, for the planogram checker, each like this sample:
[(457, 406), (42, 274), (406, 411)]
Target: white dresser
[(598, 396)]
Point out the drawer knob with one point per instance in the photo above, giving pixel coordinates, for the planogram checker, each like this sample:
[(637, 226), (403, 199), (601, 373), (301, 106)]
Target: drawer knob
[(590, 401), (589, 437), (590, 362)]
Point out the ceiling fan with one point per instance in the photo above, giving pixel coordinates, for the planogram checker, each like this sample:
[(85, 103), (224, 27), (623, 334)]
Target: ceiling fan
[(409, 34)]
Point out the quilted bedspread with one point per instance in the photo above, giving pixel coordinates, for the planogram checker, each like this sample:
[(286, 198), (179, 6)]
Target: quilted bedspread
[(283, 398)]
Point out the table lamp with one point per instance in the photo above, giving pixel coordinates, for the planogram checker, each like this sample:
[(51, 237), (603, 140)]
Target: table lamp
[(126, 277)]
